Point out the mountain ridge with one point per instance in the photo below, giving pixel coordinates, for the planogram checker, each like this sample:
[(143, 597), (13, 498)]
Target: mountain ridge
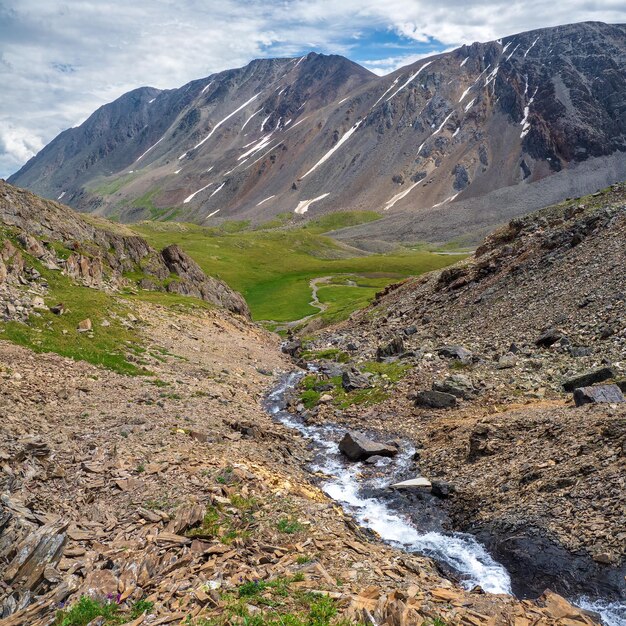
[(325, 134)]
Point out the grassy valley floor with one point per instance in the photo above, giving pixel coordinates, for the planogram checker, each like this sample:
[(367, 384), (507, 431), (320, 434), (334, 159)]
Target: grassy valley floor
[(273, 267)]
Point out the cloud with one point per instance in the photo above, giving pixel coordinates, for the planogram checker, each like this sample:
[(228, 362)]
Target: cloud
[(391, 64), (61, 59), (17, 145)]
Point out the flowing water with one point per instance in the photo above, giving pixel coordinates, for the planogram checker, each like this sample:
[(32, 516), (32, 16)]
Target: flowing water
[(348, 485)]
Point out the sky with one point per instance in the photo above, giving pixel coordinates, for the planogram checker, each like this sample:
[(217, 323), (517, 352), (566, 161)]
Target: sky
[(62, 59)]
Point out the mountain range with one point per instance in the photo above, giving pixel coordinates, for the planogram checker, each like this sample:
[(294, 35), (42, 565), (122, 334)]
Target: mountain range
[(445, 147)]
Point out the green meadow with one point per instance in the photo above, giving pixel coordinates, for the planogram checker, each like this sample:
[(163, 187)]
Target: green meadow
[(272, 265)]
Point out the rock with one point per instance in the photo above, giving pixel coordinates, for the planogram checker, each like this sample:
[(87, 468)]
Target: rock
[(507, 361), (414, 483), (352, 379), (458, 385), (548, 338), (326, 399), (194, 282), (373, 460), (292, 348), (38, 303), (590, 377), (358, 447), (435, 399), (442, 489), (32, 245), (393, 348), (455, 352), (579, 351), (84, 326), (478, 442), (598, 394)]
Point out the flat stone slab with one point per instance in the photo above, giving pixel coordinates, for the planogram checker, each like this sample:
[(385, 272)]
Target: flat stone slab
[(590, 377), (610, 394), (414, 483)]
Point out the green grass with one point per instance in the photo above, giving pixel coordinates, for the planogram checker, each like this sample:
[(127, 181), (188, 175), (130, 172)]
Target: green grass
[(329, 354), (220, 523), (273, 268), (384, 374), (88, 608), (107, 347), (109, 186), (274, 603), (289, 525)]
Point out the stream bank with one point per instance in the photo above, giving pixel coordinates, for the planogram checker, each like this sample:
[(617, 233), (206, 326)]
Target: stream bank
[(419, 522)]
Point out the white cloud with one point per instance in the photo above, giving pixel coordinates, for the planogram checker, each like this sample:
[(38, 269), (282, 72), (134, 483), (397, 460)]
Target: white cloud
[(61, 59)]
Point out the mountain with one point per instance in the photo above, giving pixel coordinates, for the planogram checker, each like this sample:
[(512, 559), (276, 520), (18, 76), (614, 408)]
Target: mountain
[(447, 146)]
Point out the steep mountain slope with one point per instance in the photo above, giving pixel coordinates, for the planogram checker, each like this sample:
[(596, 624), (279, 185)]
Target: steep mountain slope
[(319, 133)]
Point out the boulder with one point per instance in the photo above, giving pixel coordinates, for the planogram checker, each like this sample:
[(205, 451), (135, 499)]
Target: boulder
[(31, 245), (393, 348), (352, 379), (598, 394), (357, 447), (455, 352), (442, 489), (194, 282), (292, 348), (414, 483), (507, 361), (550, 337), (373, 460), (590, 377), (435, 399), (479, 442), (84, 326), (458, 385)]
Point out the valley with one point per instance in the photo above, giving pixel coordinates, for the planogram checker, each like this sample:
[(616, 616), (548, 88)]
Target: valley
[(185, 467), (272, 266), (296, 344)]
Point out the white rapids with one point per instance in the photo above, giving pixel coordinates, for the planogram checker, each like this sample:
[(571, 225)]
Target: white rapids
[(457, 550)]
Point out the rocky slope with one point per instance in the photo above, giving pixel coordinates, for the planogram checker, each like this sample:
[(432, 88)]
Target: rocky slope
[(494, 347), (95, 253), (472, 132), (175, 499)]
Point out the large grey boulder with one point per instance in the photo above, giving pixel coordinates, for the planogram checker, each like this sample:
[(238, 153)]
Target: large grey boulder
[(357, 447), (455, 352), (598, 394), (458, 385), (393, 348), (352, 380)]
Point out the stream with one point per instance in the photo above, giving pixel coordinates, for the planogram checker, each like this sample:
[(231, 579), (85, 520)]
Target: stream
[(363, 492)]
